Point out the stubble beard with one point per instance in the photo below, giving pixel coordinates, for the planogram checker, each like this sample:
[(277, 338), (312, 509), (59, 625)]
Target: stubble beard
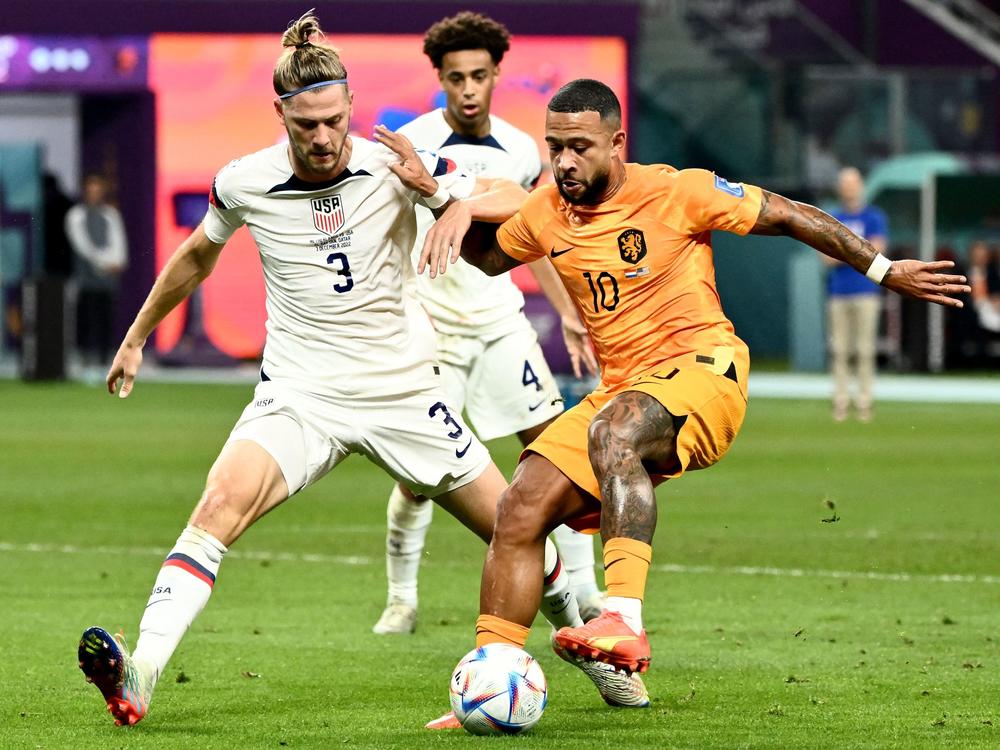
[(302, 157), (592, 191)]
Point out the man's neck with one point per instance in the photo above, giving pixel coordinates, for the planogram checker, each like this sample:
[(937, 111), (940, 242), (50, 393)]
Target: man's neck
[(616, 180)]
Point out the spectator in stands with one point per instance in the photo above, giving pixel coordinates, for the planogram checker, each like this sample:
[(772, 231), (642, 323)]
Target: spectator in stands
[(58, 259), (854, 301), (97, 235), (984, 278)]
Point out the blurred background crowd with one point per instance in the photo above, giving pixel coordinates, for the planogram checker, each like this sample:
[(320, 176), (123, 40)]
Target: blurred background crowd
[(115, 115)]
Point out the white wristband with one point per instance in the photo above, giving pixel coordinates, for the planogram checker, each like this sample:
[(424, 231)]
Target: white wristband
[(879, 268), (440, 197)]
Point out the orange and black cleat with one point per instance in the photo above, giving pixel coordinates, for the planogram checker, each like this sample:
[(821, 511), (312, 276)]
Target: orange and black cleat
[(607, 638)]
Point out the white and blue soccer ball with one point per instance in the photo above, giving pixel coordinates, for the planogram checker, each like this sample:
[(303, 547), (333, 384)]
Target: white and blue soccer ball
[(498, 689)]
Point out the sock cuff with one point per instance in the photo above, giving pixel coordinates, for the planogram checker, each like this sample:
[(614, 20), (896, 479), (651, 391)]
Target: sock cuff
[(615, 548), (551, 564), (493, 629), (202, 538), (406, 515), (198, 553)]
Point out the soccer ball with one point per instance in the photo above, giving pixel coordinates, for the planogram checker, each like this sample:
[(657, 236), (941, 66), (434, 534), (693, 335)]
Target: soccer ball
[(498, 689)]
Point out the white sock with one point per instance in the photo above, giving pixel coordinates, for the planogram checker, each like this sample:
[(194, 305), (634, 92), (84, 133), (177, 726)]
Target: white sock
[(577, 553), (404, 544), (559, 605), (181, 591), (630, 609)]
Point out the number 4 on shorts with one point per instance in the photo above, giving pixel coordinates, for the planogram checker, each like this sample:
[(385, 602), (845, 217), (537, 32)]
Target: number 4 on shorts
[(528, 377)]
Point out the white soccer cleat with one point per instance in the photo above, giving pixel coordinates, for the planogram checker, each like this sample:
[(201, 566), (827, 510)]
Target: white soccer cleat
[(617, 688), (396, 619), (591, 606)]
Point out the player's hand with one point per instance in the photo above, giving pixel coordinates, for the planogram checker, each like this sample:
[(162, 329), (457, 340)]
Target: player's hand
[(124, 367), (409, 169), (443, 243), (578, 345), (914, 278)]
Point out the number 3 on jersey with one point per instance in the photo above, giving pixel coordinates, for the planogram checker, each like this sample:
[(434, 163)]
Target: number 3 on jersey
[(345, 270)]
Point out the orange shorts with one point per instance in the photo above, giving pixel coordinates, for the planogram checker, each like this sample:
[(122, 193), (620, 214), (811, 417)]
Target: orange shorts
[(708, 389)]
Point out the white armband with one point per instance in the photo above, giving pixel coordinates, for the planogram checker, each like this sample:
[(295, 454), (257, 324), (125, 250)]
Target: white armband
[(879, 268), (440, 197)]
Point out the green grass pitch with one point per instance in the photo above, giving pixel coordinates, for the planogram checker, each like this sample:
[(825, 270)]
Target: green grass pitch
[(824, 586)]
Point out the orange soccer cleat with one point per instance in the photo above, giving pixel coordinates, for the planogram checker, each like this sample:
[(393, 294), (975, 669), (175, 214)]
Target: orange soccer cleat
[(448, 721), (607, 638)]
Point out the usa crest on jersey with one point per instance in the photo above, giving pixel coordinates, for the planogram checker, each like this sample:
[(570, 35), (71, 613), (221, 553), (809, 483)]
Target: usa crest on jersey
[(328, 214)]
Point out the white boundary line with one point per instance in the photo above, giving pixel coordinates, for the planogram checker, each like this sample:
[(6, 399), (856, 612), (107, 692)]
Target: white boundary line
[(739, 570), (855, 575), (71, 549)]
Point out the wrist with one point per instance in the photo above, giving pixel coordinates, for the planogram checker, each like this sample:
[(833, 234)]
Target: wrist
[(879, 268), (436, 197), (133, 341)]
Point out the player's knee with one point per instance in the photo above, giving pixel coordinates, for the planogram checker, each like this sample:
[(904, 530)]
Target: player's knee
[(223, 503), (609, 452), (519, 519)]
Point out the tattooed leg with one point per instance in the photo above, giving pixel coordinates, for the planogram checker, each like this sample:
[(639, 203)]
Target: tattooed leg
[(634, 431), (632, 434)]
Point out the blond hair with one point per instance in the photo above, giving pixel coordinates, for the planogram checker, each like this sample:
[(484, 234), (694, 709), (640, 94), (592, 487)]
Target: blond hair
[(307, 58)]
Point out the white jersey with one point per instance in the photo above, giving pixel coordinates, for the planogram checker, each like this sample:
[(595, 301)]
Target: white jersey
[(336, 258), (465, 301)]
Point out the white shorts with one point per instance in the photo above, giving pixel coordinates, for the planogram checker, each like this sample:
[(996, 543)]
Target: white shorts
[(503, 385), (418, 439)]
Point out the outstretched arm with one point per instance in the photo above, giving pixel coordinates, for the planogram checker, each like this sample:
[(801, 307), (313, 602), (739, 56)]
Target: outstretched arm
[(190, 264), (807, 224), (469, 227)]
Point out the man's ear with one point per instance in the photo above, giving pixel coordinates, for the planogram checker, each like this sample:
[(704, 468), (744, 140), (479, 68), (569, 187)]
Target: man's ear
[(618, 140), (279, 109)]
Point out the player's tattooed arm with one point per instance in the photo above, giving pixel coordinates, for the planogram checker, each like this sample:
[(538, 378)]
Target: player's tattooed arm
[(632, 435), (808, 224)]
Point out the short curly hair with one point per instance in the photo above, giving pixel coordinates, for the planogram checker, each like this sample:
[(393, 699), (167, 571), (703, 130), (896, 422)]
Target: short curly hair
[(466, 30)]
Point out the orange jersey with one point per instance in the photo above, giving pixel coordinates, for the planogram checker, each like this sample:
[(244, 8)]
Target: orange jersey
[(639, 266)]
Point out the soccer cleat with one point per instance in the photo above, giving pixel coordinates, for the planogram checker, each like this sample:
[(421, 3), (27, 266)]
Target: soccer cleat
[(607, 639), (591, 606), (448, 721), (396, 619), (106, 662), (616, 688)]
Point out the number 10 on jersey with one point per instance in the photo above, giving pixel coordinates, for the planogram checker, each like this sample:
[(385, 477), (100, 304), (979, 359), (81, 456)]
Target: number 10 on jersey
[(604, 290)]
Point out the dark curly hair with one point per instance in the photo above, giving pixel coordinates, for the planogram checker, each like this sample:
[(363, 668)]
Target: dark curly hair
[(466, 30)]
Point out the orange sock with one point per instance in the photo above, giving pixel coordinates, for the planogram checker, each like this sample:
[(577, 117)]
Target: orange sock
[(626, 563), (492, 629)]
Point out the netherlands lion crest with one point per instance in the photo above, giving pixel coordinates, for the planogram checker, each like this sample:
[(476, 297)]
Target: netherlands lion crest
[(632, 246)]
